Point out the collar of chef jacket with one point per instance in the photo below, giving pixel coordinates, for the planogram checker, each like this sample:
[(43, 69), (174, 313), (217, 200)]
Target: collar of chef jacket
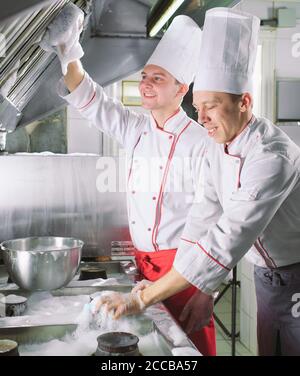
[(235, 147), (174, 123)]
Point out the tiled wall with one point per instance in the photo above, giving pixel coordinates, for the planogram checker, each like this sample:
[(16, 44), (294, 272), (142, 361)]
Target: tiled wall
[(248, 307), (82, 136)]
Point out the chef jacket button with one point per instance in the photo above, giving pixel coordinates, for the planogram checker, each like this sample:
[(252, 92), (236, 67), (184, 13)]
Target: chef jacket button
[(133, 192), (145, 133), (171, 137), (149, 229), (153, 198), (161, 167), (133, 222)]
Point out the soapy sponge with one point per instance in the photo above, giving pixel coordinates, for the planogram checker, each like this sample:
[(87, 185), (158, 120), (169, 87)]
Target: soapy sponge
[(62, 35)]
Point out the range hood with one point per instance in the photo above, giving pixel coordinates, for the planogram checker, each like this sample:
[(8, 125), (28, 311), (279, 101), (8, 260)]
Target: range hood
[(114, 40)]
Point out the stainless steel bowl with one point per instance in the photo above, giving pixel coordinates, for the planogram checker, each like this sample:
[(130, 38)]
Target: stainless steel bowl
[(42, 263)]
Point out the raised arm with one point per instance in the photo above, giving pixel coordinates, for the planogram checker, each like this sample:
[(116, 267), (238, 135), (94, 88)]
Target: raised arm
[(74, 75)]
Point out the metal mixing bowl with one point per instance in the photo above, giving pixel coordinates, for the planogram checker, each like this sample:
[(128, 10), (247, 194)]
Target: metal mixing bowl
[(42, 263)]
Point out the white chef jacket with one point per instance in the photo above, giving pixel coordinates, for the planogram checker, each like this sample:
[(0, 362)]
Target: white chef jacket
[(160, 162), (250, 199)]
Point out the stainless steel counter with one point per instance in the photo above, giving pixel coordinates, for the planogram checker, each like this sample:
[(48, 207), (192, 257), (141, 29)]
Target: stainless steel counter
[(154, 324)]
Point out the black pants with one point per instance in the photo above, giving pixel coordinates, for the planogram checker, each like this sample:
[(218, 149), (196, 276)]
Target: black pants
[(278, 310)]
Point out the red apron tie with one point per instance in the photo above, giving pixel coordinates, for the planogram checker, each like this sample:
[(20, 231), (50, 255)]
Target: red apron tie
[(153, 265)]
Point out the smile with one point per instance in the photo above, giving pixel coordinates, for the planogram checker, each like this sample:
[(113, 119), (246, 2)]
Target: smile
[(211, 132), (147, 95)]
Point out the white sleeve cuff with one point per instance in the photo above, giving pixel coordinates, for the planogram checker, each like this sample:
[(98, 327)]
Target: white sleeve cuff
[(199, 269), (82, 96)]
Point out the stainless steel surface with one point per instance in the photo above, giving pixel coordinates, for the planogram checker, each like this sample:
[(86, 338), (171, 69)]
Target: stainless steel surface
[(15, 7), (24, 62), (42, 263), (3, 134), (32, 74), (38, 333), (57, 195), (115, 35), (38, 329), (10, 115)]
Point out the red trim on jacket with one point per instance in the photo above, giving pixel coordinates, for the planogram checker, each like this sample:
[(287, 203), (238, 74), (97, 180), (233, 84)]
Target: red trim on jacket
[(188, 241), (161, 192), (268, 259), (132, 157), (169, 118), (93, 96), (210, 256), (250, 122)]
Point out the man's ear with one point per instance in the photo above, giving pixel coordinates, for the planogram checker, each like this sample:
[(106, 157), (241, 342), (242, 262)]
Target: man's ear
[(246, 102), (183, 89)]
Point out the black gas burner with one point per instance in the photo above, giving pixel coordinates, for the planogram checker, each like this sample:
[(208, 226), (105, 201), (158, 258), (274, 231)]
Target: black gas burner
[(117, 344)]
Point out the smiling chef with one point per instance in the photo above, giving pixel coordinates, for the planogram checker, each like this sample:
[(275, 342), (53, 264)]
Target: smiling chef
[(170, 143), (250, 193)]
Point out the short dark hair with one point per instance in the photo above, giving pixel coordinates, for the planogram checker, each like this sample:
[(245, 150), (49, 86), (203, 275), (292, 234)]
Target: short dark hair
[(236, 97)]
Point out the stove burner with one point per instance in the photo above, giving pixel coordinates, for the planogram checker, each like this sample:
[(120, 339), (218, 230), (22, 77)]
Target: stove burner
[(117, 344), (92, 273), (8, 348), (13, 305)]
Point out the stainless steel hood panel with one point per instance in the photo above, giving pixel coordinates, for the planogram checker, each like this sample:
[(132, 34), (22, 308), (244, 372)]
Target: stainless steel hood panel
[(11, 8), (114, 42), (34, 91)]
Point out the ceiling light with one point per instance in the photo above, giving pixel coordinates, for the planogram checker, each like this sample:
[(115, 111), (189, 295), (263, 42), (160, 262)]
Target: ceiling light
[(163, 17)]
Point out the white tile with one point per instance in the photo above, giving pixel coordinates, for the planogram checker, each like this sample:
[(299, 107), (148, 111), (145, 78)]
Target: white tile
[(82, 138), (223, 348), (222, 306), (253, 304), (253, 336), (245, 329), (245, 295)]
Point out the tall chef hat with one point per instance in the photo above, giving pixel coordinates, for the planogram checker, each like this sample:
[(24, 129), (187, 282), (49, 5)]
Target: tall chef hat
[(228, 52), (178, 50)]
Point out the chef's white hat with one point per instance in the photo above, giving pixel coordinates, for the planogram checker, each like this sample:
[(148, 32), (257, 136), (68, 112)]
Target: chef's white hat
[(228, 52), (178, 50)]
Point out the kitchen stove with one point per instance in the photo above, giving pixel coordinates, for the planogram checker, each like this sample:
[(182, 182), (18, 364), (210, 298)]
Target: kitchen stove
[(67, 329)]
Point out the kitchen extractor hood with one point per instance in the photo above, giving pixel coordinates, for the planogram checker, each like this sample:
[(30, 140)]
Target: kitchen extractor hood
[(114, 40)]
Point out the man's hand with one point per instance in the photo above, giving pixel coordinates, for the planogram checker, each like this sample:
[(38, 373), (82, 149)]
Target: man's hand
[(197, 311), (62, 35), (122, 304)]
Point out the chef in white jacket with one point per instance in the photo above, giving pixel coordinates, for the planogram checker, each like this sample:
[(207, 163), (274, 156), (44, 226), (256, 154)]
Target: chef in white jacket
[(250, 192), (164, 152)]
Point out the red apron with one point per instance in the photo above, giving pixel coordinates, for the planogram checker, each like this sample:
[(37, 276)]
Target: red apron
[(153, 265)]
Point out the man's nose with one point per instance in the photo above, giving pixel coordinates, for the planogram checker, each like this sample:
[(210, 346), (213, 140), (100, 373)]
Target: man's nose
[(202, 117), (147, 82)]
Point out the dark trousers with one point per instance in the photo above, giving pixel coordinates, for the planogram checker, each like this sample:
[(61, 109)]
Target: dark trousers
[(278, 310)]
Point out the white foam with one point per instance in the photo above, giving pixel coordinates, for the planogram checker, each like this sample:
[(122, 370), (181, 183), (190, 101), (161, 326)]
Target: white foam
[(43, 303), (177, 335), (185, 351)]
